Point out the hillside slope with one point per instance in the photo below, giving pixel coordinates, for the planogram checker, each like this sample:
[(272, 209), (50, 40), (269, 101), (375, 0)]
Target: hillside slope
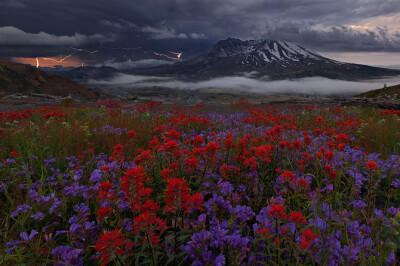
[(26, 79), (391, 91)]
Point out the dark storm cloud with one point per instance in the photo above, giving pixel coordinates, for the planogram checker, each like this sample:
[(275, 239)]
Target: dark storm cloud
[(13, 36), (336, 38), (192, 26)]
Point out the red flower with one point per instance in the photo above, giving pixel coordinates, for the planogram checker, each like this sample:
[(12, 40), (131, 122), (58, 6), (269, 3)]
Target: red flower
[(343, 138), (328, 155), (302, 183), (304, 243), (105, 168), (176, 195), (105, 186), (103, 212), (297, 217), (251, 162), (328, 168), (194, 202), (306, 238), (118, 154), (143, 221), (264, 232), (166, 174), (318, 131), (212, 148), (198, 140), (284, 230), (297, 144), (144, 157), (371, 165), (174, 165), (133, 185), (288, 176), (333, 175), (229, 143), (131, 134), (170, 146), (277, 211), (192, 164), (307, 140), (173, 134), (224, 170), (263, 152), (309, 234), (331, 145), (111, 243)]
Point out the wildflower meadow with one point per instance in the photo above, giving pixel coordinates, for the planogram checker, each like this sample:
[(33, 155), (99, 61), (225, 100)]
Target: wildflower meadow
[(142, 184)]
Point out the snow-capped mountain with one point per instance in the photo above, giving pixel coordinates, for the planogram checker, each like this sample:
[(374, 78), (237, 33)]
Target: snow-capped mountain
[(266, 59), (262, 51)]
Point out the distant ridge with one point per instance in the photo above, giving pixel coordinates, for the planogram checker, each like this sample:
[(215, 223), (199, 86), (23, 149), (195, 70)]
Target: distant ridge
[(26, 79), (392, 91)]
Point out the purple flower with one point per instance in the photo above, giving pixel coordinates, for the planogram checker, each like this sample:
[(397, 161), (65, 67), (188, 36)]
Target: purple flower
[(68, 255), (74, 228), (350, 254), (359, 204), (25, 237), (391, 259), (217, 202), (24, 208), (82, 209), (96, 176), (61, 232), (77, 175), (196, 243), (57, 203), (219, 260), (37, 216), (3, 186), (225, 187), (379, 213), (393, 211), (396, 183), (241, 188), (12, 245), (243, 213), (49, 162)]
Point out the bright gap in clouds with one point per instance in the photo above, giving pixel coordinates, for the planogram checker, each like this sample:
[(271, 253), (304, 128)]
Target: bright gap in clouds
[(307, 86)]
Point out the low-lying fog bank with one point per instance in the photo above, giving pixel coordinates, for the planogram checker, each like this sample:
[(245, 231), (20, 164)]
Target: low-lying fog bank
[(315, 86)]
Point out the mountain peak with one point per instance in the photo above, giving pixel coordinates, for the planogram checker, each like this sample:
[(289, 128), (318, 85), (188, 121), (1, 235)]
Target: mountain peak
[(262, 50)]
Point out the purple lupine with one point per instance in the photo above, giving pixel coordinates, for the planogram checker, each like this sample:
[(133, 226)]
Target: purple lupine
[(27, 238), (67, 255), (37, 216), (23, 208)]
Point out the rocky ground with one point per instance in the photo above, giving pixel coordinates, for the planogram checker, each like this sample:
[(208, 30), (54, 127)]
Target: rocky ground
[(217, 102)]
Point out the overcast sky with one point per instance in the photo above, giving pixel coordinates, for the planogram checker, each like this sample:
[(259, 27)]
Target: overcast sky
[(348, 30)]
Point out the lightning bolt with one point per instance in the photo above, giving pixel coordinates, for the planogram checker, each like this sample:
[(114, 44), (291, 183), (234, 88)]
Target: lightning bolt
[(58, 61), (62, 59), (178, 55), (84, 50)]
